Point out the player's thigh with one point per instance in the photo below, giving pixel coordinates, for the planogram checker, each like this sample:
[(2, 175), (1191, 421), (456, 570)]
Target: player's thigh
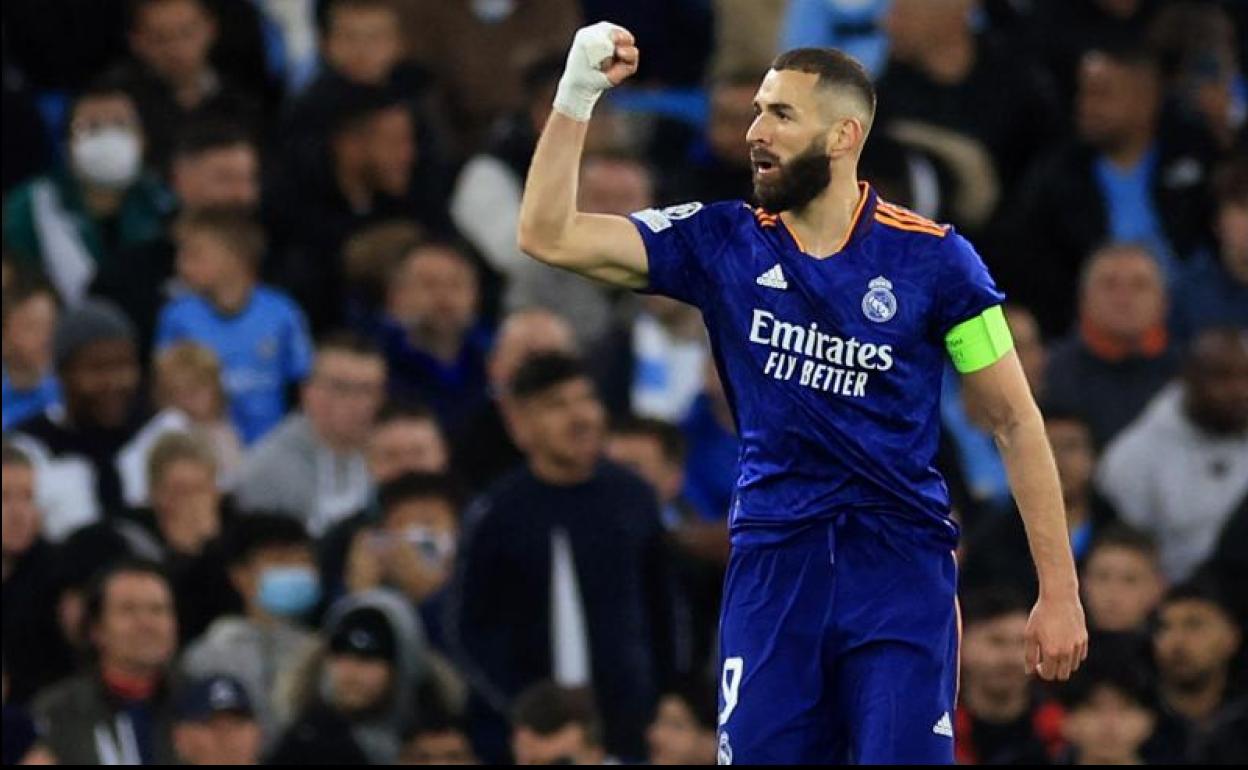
[(773, 705), (899, 701)]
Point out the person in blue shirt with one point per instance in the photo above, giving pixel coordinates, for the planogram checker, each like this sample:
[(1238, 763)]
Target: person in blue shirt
[(30, 385), (831, 314), (259, 333)]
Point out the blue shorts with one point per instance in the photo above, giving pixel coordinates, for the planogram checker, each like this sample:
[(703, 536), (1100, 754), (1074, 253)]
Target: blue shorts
[(840, 646)]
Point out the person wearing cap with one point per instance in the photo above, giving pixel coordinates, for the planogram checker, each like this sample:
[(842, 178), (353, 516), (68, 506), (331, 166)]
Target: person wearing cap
[(215, 724), (97, 361), (363, 685)]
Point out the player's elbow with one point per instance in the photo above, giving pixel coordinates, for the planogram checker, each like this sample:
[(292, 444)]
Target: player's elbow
[(539, 243)]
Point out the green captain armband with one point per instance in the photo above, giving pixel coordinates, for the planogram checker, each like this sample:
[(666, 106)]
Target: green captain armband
[(979, 342)]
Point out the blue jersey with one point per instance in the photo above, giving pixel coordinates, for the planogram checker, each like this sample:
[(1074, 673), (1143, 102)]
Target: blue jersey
[(832, 366), (263, 349)]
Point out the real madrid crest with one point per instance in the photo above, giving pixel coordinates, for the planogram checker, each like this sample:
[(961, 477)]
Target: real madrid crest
[(879, 303)]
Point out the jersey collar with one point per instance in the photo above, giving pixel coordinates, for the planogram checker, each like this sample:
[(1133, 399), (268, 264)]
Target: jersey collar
[(864, 214)]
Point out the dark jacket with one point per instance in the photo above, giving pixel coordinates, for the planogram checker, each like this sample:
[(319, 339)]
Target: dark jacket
[(500, 619), (84, 724), (1060, 218)]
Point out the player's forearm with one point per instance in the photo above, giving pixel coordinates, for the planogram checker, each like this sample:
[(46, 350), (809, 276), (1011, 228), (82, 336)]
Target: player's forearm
[(1034, 481), (548, 207)]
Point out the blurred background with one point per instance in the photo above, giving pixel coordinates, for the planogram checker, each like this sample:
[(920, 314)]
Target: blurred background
[(304, 461)]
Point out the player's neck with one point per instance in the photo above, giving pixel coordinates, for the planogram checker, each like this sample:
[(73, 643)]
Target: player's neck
[(823, 226)]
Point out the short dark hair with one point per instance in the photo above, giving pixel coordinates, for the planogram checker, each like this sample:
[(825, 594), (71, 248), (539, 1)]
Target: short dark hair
[(836, 69), (135, 8), (354, 105), (1058, 411), (1128, 538), (97, 587), (1116, 662), (541, 75), (25, 285), (108, 86), (544, 371), (546, 708), (326, 8), (983, 605), (204, 136), (342, 341), (400, 411), (698, 695), (236, 227), (1128, 53), (668, 435), (1201, 588), (255, 531), (419, 486)]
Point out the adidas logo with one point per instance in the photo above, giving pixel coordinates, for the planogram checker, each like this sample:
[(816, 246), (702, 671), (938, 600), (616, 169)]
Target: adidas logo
[(773, 279), (943, 726)]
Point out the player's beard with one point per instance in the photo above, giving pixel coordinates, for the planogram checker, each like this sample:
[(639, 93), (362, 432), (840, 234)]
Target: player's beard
[(798, 182)]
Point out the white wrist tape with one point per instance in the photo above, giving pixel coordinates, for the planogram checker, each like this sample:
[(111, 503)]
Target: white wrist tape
[(583, 82)]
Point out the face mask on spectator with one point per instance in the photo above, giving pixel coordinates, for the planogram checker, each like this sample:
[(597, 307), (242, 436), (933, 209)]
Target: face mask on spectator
[(109, 157), (289, 591)]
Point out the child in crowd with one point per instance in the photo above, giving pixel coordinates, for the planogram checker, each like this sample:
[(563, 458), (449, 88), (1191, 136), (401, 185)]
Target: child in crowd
[(30, 386), (187, 377), (259, 334)]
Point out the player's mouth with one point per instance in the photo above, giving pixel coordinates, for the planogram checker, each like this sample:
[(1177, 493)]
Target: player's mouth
[(764, 165)]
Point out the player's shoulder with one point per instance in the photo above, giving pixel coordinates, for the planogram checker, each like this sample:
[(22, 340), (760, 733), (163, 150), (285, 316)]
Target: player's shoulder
[(715, 216), (908, 225)]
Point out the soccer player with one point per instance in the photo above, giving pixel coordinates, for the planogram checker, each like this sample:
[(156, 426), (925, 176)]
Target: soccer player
[(830, 313)]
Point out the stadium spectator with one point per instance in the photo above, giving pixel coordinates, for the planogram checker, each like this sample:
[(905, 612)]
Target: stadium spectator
[(272, 568), (312, 466), (31, 657), (1138, 176), (486, 451), (118, 710), (540, 593), (652, 365), (1212, 289), (684, 726), (1180, 471), (363, 687), (1120, 355), (997, 550), (369, 170), (1196, 47), (30, 386), (405, 439), (97, 364), (855, 27), (432, 335), (215, 724), (938, 74), (213, 165), (1111, 708), (655, 451), (474, 91), (554, 725), (258, 333), (718, 167), (437, 741), (171, 80), (610, 183), (411, 549), (1000, 718), (1194, 644), (1122, 581), (73, 223), (186, 379)]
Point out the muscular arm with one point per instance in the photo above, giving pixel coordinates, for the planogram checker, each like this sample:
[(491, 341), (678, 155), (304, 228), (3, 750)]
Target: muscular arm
[(551, 230), (998, 395)]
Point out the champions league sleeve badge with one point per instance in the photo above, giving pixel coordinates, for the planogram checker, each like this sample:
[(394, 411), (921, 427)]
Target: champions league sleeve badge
[(879, 303)]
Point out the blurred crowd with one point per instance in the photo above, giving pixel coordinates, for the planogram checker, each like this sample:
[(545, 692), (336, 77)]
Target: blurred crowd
[(304, 461)]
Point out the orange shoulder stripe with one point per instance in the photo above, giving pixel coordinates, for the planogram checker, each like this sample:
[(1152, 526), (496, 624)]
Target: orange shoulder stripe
[(913, 227), (905, 215)]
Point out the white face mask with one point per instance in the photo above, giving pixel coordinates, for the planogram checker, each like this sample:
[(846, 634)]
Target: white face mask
[(109, 157)]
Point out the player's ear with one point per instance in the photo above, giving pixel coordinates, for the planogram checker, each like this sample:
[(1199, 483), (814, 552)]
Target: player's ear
[(845, 136)]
